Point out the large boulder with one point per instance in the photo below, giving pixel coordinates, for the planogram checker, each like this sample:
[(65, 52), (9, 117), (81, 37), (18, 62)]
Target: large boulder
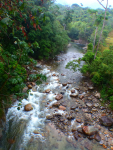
[(106, 121), (28, 107), (89, 130)]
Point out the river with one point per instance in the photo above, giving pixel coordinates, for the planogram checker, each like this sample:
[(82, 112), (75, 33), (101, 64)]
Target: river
[(32, 130)]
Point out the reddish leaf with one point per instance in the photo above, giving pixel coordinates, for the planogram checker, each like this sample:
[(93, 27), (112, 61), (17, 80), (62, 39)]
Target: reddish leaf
[(17, 28), (27, 26), (20, 15), (9, 8), (34, 25), (39, 27), (25, 20)]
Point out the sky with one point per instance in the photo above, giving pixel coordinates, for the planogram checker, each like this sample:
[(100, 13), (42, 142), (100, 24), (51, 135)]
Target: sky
[(86, 3)]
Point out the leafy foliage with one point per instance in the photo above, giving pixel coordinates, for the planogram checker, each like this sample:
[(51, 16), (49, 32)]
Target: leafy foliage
[(27, 28), (100, 71)]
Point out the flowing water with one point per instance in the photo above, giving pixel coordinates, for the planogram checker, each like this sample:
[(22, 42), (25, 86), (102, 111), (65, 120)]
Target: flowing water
[(31, 130)]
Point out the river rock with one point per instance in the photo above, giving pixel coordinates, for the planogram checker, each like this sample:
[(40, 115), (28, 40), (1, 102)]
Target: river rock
[(74, 94), (97, 137), (106, 121), (25, 89), (81, 96), (57, 104), (33, 83), (78, 120), (91, 88), (34, 89), (89, 104), (62, 74), (62, 108), (47, 90), (28, 107), (49, 116), (89, 130), (97, 95), (64, 84), (72, 91), (59, 96), (88, 145), (75, 133), (29, 86), (96, 104)]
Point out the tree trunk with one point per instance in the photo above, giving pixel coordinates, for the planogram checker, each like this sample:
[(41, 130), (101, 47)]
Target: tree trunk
[(101, 30), (95, 38)]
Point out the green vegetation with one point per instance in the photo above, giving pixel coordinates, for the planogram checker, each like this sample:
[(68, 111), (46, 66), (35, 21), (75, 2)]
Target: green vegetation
[(40, 29), (100, 70), (27, 29), (98, 62)]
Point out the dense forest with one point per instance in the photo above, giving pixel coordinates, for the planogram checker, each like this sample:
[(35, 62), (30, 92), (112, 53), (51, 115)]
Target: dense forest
[(39, 30)]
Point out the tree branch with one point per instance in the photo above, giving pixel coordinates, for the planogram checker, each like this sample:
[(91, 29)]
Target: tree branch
[(101, 4)]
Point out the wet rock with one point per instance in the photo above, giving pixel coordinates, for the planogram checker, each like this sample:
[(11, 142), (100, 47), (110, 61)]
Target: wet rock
[(74, 94), (64, 84), (28, 107), (53, 74), (25, 89), (29, 86), (89, 130), (89, 104), (94, 110), (47, 90), (96, 105), (91, 88), (38, 66), (70, 116), (62, 108), (62, 93), (62, 74), (88, 145), (97, 137), (80, 130), (72, 91), (49, 116), (87, 116), (97, 95), (33, 83), (73, 107), (36, 132), (78, 120), (59, 96), (75, 134), (34, 89), (81, 96), (106, 121), (57, 104), (69, 139)]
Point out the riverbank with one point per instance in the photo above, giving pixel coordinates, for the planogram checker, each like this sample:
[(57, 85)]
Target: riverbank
[(65, 113)]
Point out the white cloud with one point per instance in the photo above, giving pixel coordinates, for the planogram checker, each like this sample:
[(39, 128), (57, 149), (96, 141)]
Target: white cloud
[(86, 3)]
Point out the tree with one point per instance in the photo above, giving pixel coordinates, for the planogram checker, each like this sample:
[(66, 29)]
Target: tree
[(97, 23), (102, 26)]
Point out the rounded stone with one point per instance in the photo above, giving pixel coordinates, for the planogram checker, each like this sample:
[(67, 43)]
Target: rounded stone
[(28, 107)]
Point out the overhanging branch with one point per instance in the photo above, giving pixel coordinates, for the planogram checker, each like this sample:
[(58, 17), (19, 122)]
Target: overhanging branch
[(101, 4)]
